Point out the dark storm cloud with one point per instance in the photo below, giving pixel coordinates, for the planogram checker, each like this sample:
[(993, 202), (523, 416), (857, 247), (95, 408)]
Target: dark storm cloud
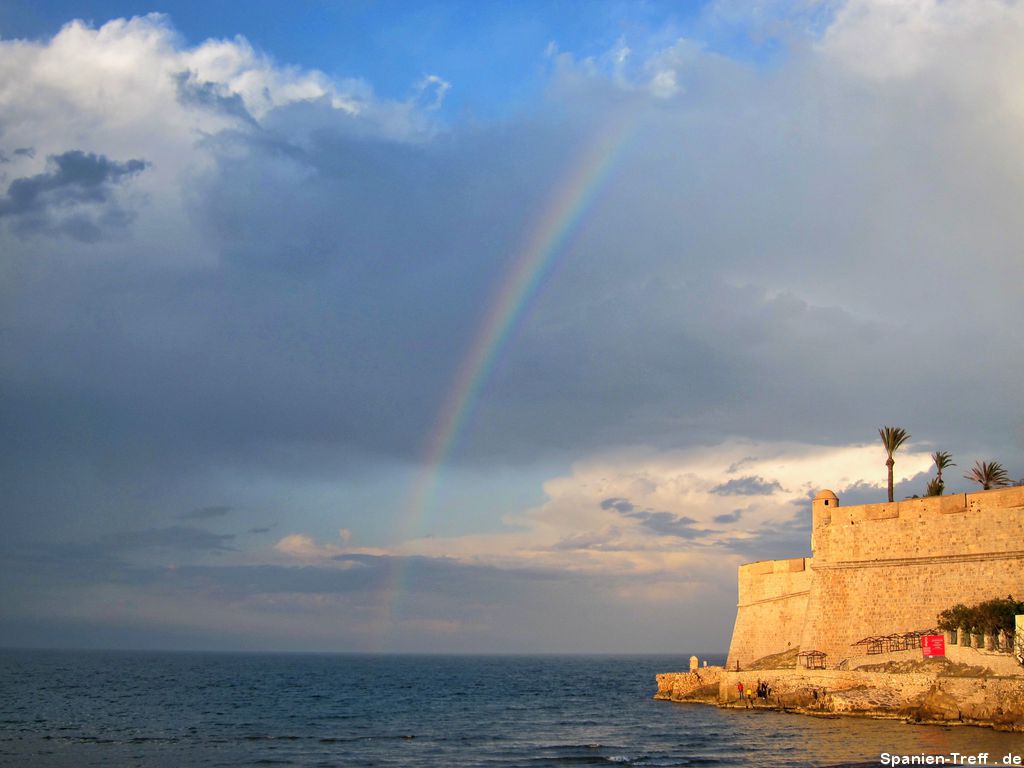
[(668, 524), (206, 513), (619, 505), (356, 270), (60, 564), (723, 282), (172, 538), (90, 569), (729, 517), (105, 561), (53, 201), (598, 541), (735, 466), (864, 493), (336, 323), (76, 176), (19, 152), (446, 576), (212, 96), (446, 607), (859, 493), (664, 523), (747, 486), (789, 538)]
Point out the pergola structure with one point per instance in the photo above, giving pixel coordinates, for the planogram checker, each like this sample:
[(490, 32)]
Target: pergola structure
[(907, 641), (812, 659)]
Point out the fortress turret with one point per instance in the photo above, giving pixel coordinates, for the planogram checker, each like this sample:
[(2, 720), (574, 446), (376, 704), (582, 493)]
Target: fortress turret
[(821, 514)]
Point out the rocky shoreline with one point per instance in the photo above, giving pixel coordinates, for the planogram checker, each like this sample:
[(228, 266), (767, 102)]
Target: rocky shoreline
[(934, 691)]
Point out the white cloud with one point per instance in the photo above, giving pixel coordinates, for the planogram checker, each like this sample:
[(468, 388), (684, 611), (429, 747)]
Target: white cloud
[(299, 546), (303, 547), (653, 513), (664, 84), (431, 91), (133, 89), (122, 75), (884, 39)]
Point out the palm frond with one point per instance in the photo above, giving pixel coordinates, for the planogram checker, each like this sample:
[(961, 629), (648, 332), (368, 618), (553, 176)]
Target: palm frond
[(893, 438), (943, 460), (988, 474)]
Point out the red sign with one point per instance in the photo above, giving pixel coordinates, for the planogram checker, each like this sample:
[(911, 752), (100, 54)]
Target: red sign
[(933, 645)]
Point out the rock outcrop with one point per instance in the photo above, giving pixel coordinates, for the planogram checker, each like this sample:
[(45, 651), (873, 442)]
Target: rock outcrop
[(701, 685), (925, 691)]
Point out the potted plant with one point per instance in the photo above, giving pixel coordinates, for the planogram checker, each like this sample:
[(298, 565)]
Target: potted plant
[(952, 621)]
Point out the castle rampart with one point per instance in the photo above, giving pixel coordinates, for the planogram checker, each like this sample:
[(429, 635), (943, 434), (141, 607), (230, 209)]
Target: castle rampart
[(772, 608), (879, 569)]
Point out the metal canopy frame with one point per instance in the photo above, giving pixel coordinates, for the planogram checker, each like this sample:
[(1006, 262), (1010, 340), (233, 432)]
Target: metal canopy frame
[(812, 659), (907, 641)]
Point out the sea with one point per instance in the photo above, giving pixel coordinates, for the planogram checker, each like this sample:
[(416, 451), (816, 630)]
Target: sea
[(107, 708)]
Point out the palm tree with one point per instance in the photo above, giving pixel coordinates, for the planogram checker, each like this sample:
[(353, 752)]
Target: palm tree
[(988, 474), (892, 438), (943, 460)]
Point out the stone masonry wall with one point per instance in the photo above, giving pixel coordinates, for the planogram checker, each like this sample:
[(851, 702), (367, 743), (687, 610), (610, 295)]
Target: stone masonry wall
[(884, 568), (772, 607), (965, 525)]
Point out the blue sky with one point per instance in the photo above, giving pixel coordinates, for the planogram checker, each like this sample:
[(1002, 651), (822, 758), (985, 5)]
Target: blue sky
[(496, 52), (246, 254)]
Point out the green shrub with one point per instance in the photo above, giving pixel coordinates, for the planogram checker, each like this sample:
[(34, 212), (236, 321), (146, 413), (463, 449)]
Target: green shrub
[(987, 618), (954, 618)]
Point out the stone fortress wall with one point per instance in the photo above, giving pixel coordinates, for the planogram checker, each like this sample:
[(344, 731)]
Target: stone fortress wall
[(772, 608), (879, 569)]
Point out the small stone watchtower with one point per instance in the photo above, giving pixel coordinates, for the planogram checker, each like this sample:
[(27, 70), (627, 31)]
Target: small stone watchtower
[(821, 514)]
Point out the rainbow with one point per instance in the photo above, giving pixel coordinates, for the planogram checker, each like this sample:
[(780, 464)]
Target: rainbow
[(565, 209)]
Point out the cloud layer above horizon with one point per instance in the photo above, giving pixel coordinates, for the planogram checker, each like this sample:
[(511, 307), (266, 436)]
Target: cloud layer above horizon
[(236, 293)]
